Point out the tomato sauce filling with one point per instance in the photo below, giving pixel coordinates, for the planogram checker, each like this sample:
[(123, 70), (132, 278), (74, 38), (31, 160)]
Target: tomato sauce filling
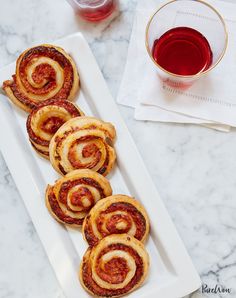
[(72, 156), (45, 72), (78, 197), (52, 124), (66, 186), (117, 224), (89, 150), (92, 286), (112, 224), (59, 213), (114, 271)]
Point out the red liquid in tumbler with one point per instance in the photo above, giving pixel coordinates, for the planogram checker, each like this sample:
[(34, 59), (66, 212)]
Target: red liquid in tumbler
[(182, 51), (95, 10)]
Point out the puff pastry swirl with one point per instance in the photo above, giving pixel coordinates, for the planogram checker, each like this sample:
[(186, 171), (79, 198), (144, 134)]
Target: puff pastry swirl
[(115, 267), (83, 142), (71, 197), (42, 72), (45, 120), (116, 214)]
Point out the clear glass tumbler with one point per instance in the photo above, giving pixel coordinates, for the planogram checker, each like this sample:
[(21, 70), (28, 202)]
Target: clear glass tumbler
[(195, 17), (94, 10)]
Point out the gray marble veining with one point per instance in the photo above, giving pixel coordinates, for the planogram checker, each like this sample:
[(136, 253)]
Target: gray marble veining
[(192, 167)]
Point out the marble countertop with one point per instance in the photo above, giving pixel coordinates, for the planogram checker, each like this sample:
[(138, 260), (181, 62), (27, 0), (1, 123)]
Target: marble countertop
[(193, 168)]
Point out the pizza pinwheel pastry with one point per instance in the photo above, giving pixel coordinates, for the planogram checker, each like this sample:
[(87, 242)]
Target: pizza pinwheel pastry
[(45, 120), (116, 214), (83, 142), (116, 266), (71, 197), (42, 72)]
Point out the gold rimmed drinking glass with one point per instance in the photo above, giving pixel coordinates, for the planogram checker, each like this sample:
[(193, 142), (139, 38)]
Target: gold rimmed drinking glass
[(195, 14)]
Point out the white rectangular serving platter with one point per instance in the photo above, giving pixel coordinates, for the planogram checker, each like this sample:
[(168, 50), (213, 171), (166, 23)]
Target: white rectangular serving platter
[(172, 273)]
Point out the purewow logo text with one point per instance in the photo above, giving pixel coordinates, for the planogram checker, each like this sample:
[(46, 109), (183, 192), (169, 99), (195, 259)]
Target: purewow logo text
[(217, 289)]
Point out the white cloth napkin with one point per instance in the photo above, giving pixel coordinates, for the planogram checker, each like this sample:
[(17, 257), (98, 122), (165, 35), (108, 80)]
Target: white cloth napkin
[(211, 101)]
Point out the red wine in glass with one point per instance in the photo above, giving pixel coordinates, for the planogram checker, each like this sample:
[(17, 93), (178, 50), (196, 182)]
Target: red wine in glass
[(95, 10), (182, 51)]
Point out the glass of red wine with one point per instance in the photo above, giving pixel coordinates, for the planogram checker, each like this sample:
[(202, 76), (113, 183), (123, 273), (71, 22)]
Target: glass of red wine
[(94, 10), (185, 39)]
